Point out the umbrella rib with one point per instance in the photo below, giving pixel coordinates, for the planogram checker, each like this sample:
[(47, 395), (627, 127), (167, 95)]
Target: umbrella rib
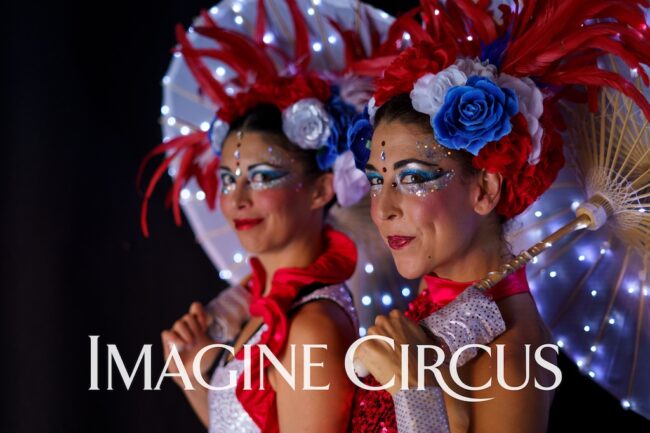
[(321, 31), (557, 254), (543, 221), (639, 323), (632, 147), (179, 123), (281, 23), (214, 233), (612, 298), (565, 184), (619, 144), (601, 136), (183, 93), (575, 291)]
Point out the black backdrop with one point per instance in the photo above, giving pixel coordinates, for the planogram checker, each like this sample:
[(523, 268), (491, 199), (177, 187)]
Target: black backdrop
[(81, 98)]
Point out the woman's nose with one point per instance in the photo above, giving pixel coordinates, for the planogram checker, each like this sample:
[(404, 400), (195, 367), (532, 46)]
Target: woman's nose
[(387, 203), (241, 195)]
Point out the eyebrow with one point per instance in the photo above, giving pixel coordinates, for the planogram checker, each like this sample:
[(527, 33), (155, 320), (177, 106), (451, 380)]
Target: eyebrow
[(402, 163), (250, 167), (370, 167), (254, 166)]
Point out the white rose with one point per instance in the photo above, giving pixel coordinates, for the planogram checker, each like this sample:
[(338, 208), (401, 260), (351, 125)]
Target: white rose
[(474, 67), (306, 123), (372, 110), (429, 91), (217, 134)]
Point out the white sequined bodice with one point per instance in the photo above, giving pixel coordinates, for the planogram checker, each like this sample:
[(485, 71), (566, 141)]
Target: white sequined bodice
[(227, 415)]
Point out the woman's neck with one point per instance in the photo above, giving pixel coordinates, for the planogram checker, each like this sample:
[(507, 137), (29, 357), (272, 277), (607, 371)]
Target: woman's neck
[(485, 253), (300, 252)]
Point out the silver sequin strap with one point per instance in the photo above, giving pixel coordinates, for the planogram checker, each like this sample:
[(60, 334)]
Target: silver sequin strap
[(228, 312), (471, 318), (337, 293), (421, 411)]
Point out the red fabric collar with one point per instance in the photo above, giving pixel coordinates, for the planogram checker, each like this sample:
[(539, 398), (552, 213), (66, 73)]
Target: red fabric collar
[(441, 291), (335, 265)]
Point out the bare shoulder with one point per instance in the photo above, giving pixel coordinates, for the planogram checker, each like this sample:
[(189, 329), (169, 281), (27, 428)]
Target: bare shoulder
[(515, 403), (523, 322), (321, 320)]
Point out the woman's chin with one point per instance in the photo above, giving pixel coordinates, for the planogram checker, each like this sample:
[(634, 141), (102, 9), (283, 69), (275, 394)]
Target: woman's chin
[(252, 245), (409, 268)]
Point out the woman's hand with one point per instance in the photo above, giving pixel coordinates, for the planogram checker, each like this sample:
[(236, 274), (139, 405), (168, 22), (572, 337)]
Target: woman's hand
[(189, 334), (382, 361)]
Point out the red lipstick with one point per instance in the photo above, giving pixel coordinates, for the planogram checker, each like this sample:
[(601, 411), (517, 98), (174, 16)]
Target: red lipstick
[(247, 223), (399, 242)]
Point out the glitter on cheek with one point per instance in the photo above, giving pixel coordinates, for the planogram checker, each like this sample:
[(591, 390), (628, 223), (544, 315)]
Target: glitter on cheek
[(375, 190), (228, 189)]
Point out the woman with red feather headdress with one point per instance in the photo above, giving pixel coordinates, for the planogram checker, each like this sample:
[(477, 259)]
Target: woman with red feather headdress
[(276, 156), (462, 135)]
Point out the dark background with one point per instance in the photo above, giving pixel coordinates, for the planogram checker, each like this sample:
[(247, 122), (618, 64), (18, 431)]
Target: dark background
[(81, 102)]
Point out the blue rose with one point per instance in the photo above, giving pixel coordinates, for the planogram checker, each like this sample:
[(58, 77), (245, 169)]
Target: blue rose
[(474, 115), (359, 136), (326, 156), (342, 115)]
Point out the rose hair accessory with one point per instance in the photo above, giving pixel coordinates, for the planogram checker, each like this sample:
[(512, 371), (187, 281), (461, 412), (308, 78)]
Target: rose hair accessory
[(492, 88), (347, 51), (498, 88), (285, 70)]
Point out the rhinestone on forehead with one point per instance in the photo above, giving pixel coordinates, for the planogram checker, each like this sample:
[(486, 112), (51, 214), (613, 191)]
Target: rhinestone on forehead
[(237, 153)]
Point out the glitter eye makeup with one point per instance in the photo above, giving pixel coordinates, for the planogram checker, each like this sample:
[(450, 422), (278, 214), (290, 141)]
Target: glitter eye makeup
[(265, 176), (422, 179), (414, 177), (376, 182), (228, 181), (260, 177)]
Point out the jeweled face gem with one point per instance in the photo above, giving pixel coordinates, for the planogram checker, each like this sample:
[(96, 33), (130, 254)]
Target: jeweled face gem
[(416, 176), (237, 153)]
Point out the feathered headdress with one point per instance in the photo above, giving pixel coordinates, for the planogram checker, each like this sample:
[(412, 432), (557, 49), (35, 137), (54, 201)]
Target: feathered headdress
[(316, 108), (491, 86)]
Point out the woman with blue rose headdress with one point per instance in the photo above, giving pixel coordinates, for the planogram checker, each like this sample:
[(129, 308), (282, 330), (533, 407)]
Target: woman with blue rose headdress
[(465, 134)]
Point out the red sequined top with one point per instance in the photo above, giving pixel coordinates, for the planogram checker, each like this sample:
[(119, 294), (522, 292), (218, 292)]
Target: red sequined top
[(374, 411)]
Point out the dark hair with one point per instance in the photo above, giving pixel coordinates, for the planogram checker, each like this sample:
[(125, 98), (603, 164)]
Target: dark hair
[(267, 119)]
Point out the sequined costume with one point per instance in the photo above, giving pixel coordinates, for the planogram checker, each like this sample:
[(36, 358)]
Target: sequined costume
[(226, 412), (412, 410)]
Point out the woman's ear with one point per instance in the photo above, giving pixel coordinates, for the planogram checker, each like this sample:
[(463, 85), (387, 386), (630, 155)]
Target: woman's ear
[(322, 191), (489, 192)]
